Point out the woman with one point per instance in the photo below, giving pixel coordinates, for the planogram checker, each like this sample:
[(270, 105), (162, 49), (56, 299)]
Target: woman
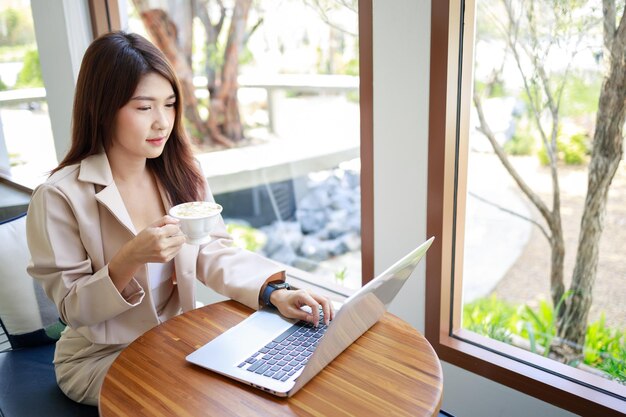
[(101, 243)]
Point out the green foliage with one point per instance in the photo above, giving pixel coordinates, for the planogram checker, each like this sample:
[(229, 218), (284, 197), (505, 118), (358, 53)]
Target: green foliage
[(572, 150), (3, 86), (353, 96), (615, 365), (605, 347), (542, 154), (341, 275), (576, 149), (245, 56), (497, 89), (490, 317), (539, 327), (581, 95), (30, 75), (17, 27), (522, 143), (351, 67), (602, 341), (246, 237)]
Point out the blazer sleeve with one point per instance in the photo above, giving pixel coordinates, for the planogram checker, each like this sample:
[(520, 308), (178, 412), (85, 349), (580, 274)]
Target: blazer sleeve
[(60, 262), (232, 271)]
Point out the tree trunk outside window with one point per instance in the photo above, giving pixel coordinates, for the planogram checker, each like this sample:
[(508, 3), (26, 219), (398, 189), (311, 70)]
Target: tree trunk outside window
[(223, 124)]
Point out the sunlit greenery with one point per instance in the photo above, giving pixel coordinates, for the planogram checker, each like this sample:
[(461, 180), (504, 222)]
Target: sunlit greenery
[(580, 95), (572, 150), (605, 347), (17, 25), (30, 75), (246, 237), (522, 142)]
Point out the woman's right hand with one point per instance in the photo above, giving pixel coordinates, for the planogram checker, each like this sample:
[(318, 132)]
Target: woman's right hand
[(158, 243)]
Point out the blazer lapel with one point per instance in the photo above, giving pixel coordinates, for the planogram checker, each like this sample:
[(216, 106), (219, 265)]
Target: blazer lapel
[(96, 169)]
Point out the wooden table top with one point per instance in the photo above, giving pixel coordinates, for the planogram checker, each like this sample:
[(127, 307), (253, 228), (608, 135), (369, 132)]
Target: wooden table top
[(391, 370)]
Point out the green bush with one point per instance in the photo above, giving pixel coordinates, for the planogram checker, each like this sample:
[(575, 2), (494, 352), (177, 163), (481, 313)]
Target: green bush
[(572, 150), (30, 75), (497, 89), (605, 347), (246, 237), (490, 317), (581, 94), (17, 26), (602, 341), (615, 365), (576, 150), (522, 143)]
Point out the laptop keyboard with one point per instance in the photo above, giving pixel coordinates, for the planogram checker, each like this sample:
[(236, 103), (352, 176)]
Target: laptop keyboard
[(288, 353)]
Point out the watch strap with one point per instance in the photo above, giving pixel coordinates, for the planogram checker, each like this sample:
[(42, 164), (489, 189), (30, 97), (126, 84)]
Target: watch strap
[(270, 288)]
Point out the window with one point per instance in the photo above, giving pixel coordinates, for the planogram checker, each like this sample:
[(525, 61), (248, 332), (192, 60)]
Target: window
[(290, 174), (487, 227), (26, 142)]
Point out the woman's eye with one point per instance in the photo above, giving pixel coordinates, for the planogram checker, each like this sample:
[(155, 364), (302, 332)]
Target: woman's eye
[(170, 104), (144, 108)]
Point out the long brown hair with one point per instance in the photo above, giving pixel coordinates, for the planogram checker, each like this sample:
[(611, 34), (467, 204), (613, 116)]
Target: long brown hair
[(109, 74)]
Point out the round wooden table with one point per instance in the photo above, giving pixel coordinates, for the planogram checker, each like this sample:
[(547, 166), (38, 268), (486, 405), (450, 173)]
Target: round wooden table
[(391, 370)]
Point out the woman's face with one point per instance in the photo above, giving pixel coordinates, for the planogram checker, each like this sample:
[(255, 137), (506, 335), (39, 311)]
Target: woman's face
[(144, 124)]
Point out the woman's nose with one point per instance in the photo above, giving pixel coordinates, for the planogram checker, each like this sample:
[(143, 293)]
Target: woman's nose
[(161, 122)]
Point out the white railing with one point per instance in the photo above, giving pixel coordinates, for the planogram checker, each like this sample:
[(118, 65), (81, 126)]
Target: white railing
[(24, 95), (275, 84)]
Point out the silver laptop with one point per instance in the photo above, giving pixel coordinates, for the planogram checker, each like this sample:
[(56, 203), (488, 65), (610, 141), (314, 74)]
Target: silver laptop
[(280, 355)]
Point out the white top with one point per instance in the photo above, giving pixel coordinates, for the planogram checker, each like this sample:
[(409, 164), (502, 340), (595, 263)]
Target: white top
[(161, 285)]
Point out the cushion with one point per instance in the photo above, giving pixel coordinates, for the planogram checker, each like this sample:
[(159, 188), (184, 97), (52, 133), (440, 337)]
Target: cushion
[(27, 315), (28, 386)]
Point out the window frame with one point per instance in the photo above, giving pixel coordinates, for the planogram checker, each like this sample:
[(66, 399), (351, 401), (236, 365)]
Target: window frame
[(449, 106)]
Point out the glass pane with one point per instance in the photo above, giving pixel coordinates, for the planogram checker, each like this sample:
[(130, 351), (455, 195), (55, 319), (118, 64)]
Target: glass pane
[(288, 173), (533, 232), (26, 142)]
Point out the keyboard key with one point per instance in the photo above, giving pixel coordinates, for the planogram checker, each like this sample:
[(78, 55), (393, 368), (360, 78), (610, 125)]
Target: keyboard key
[(262, 369), (256, 365), (279, 375), (287, 354), (285, 334)]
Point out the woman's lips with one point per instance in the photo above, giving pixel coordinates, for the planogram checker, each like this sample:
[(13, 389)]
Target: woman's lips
[(156, 141)]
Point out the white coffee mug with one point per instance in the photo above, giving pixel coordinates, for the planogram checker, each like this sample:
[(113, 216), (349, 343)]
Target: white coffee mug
[(197, 220)]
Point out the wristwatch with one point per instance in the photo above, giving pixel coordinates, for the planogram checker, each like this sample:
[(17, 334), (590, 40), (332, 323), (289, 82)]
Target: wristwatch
[(270, 288)]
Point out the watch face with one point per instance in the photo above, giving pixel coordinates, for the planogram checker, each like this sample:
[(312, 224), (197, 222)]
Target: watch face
[(279, 285)]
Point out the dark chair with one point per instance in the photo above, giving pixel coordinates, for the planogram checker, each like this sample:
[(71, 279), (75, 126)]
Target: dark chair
[(30, 321)]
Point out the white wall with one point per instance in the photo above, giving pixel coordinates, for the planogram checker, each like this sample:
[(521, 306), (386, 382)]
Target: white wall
[(401, 80)]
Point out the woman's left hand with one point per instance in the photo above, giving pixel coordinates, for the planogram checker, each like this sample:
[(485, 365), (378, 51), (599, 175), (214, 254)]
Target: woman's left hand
[(290, 303)]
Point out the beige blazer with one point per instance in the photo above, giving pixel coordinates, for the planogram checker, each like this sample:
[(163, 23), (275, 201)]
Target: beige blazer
[(77, 221)]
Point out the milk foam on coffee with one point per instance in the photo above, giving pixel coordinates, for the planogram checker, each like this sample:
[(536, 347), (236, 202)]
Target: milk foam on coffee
[(197, 209)]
